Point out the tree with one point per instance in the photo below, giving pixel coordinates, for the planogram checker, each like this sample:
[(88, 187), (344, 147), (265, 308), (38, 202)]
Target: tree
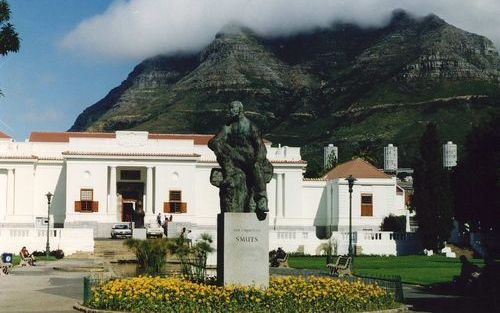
[(9, 39), (432, 195), (313, 169), (394, 223), (476, 183)]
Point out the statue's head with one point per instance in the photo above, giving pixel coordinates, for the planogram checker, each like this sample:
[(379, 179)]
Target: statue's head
[(235, 110)]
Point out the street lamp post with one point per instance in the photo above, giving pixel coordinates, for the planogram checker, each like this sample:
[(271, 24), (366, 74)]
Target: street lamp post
[(47, 247), (350, 181)]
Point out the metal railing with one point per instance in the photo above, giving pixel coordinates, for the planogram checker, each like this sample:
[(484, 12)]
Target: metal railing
[(389, 283), (88, 283)]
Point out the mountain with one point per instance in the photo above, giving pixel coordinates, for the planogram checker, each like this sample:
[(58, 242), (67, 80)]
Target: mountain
[(359, 88)]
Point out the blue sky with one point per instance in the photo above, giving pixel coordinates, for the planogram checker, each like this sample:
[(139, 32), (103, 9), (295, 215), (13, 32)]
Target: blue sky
[(73, 52), (46, 86)]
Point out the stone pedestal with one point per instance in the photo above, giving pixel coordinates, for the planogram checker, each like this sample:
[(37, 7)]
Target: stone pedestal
[(139, 233), (242, 250)]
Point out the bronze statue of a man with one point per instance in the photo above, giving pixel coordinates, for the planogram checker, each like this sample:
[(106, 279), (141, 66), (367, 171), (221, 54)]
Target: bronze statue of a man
[(245, 170)]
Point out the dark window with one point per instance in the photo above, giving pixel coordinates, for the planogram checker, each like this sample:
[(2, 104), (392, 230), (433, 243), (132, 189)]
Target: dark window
[(86, 198), (130, 175), (366, 204), (175, 204), (175, 195)]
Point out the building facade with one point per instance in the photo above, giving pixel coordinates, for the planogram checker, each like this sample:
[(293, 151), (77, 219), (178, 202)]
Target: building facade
[(99, 179)]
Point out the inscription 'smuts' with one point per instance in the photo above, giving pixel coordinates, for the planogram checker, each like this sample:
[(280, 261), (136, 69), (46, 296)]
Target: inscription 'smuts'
[(245, 238)]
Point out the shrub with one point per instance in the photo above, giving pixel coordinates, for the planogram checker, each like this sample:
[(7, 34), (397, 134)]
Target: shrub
[(285, 294), (58, 254), (394, 223), (193, 258), (151, 255)]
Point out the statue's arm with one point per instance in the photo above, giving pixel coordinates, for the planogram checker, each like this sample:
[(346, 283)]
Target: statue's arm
[(217, 140), (259, 146)]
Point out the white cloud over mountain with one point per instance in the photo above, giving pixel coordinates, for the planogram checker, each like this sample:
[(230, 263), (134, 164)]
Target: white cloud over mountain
[(142, 28)]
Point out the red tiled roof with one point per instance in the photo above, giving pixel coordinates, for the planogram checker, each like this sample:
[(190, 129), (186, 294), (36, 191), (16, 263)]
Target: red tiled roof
[(19, 157), (358, 168), (64, 136), (4, 136), (130, 154), (199, 139)]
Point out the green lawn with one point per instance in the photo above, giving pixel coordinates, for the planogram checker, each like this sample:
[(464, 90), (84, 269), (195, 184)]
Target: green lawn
[(16, 259), (414, 269)]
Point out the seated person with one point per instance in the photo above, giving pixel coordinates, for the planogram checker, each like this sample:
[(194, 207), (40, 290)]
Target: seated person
[(468, 272), (276, 257), (280, 254), (26, 255)]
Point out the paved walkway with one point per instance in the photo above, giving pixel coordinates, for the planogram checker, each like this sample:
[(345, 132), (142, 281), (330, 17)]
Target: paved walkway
[(420, 299), (41, 288)]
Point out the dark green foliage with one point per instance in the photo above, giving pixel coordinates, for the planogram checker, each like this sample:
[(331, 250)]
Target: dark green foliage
[(476, 183), (432, 195), (313, 169), (58, 254), (394, 223), (151, 255), (9, 40)]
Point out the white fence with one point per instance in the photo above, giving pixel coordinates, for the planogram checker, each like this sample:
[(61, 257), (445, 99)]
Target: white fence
[(367, 243), (70, 240)]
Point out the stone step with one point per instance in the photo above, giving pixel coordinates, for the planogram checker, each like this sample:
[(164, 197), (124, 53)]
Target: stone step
[(468, 252), (80, 255)]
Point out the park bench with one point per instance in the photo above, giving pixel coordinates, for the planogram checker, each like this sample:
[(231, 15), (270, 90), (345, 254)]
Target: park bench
[(25, 261), (342, 267), (283, 262)]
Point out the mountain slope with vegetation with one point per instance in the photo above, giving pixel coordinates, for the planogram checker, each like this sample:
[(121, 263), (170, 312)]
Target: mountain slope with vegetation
[(359, 88)]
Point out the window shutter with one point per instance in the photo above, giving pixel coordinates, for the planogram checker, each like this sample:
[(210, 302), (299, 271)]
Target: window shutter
[(166, 207), (78, 206), (366, 204), (95, 206), (183, 207)]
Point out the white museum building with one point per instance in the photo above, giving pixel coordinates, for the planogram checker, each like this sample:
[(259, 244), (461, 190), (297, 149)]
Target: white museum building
[(99, 179)]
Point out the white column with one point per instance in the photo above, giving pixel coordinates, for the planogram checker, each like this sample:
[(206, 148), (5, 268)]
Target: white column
[(408, 228), (10, 191), (283, 198), (328, 190), (279, 194), (112, 191), (34, 205), (149, 190)]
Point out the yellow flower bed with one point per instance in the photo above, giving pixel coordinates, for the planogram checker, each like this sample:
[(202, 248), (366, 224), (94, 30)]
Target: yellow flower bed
[(285, 294)]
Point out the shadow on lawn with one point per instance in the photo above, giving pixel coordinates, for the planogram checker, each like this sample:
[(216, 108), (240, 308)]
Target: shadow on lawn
[(480, 294)]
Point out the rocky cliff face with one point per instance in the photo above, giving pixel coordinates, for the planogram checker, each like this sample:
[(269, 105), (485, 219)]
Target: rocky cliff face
[(310, 89)]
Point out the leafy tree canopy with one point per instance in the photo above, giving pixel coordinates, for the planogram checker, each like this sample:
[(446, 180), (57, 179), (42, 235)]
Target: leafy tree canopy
[(432, 195), (9, 39), (476, 183)]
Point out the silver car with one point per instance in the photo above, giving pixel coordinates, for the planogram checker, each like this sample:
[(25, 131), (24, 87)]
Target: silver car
[(121, 230), (154, 230)]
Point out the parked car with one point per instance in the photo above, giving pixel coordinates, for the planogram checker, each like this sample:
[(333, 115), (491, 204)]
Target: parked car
[(121, 230), (154, 230)]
